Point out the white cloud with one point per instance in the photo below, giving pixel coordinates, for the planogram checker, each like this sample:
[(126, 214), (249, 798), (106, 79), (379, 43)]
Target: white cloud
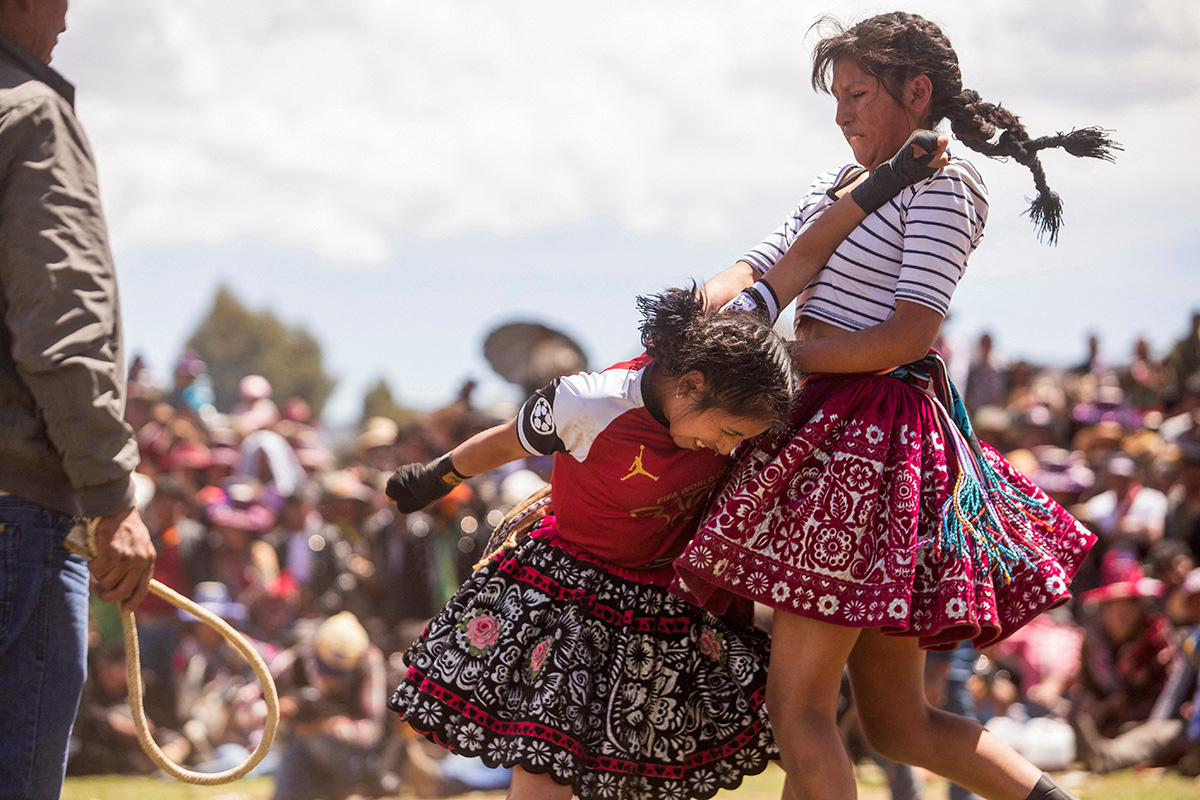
[(330, 127), (336, 130)]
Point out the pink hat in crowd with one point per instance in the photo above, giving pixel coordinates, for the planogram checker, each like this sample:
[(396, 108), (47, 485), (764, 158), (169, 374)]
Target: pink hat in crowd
[(1121, 577), (241, 507), (189, 455)]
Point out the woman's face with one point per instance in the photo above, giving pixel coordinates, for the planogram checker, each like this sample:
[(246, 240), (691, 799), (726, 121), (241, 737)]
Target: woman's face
[(713, 429), (874, 123), (1122, 618)]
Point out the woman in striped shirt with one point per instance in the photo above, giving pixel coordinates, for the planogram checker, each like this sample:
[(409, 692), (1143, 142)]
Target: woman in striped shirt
[(875, 524)]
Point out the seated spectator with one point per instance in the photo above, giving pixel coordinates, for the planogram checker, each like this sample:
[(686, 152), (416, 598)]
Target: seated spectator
[(1182, 522), (1128, 515), (1062, 474), (182, 553), (192, 390), (1170, 562), (218, 693), (268, 458), (104, 740), (313, 553), (348, 503), (1127, 647), (333, 695), (1042, 658), (1172, 733), (247, 564), (375, 447)]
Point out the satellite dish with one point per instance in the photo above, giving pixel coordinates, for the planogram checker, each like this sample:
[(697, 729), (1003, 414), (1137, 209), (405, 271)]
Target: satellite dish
[(531, 355)]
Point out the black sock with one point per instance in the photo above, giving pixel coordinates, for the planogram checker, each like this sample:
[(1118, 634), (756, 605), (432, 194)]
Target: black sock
[(1047, 789)]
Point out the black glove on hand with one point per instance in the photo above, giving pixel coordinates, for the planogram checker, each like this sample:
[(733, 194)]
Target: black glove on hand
[(904, 169), (414, 486), (759, 297)]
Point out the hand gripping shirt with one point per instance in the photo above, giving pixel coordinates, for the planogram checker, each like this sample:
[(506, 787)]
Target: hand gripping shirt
[(621, 488), (913, 248)]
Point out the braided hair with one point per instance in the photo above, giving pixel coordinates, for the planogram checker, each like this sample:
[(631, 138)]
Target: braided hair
[(897, 46), (746, 365)]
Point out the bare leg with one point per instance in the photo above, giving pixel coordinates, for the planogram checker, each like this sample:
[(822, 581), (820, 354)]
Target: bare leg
[(803, 679), (531, 786), (887, 678)]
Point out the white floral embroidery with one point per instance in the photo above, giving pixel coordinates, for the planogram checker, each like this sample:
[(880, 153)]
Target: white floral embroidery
[(956, 607), (898, 608), (827, 605), (780, 592)]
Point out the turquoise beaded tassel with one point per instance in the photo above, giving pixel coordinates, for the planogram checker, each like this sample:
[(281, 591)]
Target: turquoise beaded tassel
[(986, 519)]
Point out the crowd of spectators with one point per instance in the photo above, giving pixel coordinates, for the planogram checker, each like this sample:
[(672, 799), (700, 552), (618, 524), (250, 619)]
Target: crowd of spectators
[(288, 536), (266, 522), (1109, 681)]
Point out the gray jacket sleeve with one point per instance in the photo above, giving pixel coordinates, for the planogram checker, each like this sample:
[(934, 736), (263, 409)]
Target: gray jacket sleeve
[(60, 294)]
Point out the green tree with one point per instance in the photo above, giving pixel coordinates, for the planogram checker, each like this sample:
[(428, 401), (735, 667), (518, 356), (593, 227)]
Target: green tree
[(379, 402), (235, 342)]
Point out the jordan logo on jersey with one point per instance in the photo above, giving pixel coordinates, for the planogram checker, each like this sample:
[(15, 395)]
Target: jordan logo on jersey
[(636, 468)]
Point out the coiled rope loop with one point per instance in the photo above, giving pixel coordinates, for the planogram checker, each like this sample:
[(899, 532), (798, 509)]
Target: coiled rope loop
[(82, 542)]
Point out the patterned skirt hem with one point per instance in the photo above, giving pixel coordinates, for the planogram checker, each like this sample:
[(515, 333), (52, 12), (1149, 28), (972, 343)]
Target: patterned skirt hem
[(554, 663), (709, 583), (671, 784)]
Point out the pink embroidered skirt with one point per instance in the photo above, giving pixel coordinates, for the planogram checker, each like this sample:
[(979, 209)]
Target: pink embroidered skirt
[(833, 517)]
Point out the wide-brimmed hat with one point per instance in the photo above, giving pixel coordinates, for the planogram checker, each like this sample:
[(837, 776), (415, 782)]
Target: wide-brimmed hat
[(1121, 577), (377, 432), (1104, 435), (1060, 470), (346, 485), (340, 643)]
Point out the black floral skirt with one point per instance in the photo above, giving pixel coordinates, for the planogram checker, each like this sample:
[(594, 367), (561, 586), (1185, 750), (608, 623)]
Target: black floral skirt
[(558, 663)]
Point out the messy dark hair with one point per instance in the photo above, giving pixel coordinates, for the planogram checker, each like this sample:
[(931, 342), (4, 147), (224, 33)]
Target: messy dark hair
[(897, 46), (746, 365)]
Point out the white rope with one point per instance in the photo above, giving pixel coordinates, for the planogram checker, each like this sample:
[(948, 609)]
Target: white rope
[(81, 541), (134, 670)]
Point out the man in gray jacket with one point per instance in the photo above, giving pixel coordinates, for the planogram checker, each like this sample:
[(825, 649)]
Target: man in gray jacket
[(65, 451)]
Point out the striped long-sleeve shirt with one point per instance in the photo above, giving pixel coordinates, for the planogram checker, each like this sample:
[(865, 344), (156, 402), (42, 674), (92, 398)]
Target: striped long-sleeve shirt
[(913, 248)]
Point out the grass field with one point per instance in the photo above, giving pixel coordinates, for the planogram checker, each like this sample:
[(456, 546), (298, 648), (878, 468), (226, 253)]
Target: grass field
[(1127, 785)]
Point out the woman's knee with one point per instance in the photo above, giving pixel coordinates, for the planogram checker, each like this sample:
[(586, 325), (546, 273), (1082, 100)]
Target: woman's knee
[(797, 730), (896, 734)]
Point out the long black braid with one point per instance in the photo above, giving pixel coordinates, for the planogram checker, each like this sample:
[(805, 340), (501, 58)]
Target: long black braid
[(897, 46)]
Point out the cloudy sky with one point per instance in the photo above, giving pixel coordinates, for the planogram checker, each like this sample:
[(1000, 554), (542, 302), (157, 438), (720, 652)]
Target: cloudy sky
[(400, 177)]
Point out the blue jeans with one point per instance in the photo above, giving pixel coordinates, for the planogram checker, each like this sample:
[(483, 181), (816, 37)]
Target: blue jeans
[(43, 648)]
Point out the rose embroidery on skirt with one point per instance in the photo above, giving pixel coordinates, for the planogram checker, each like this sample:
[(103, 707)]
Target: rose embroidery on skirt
[(710, 644), (482, 632), (537, 658)]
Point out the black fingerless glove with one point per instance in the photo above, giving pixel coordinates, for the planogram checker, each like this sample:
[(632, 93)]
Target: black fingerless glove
[(904, 169), (414, 486), (760, 297)]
